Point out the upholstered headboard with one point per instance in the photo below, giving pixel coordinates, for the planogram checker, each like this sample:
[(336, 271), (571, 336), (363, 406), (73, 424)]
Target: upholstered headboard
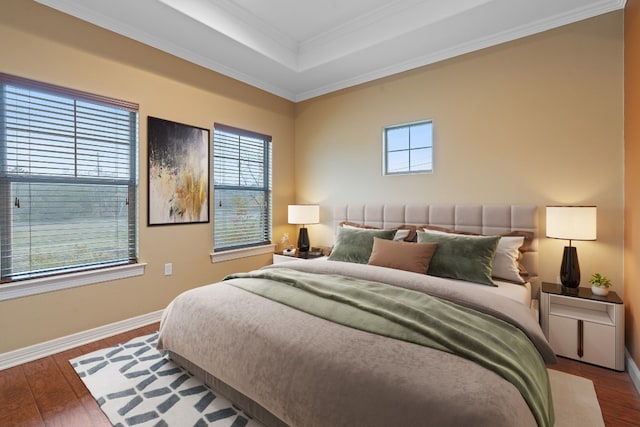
[(481, 219)]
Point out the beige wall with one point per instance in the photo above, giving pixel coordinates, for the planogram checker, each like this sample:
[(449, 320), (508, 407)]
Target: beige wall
[(538, 120), (534, 121), (39, 43), (632, 176)]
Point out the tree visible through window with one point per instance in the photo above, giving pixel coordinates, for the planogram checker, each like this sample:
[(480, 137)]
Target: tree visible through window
[(408, 148), (68, 181), (242, 188)]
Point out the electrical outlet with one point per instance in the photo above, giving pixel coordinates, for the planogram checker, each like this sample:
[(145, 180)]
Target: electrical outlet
[(168, 269)]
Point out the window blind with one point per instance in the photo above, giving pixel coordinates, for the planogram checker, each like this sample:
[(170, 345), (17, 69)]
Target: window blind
[(242, 188), (68, 180)]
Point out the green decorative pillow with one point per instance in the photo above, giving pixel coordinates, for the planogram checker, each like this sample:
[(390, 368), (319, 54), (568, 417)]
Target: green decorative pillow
[(355, 244), (462, 257)]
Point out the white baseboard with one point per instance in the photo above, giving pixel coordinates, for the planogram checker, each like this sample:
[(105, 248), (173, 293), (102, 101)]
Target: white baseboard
[(37, 351), (633, 370)]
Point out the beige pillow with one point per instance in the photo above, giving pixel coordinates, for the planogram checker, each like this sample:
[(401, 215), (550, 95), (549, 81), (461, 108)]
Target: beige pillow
[(406, 256)]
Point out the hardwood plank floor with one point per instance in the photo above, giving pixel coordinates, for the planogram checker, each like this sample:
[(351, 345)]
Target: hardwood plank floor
[(47, 392)]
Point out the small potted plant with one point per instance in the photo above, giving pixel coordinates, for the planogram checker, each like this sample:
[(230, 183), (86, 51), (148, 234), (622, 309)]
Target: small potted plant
[(600, 284)]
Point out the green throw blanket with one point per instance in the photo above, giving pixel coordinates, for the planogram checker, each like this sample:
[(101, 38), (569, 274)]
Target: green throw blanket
[(414, 317)]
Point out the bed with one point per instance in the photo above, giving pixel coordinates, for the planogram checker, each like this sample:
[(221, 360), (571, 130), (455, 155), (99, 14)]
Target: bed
[(330, 342)]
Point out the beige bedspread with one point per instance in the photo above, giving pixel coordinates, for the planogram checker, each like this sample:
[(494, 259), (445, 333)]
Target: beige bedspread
[(311, 372)]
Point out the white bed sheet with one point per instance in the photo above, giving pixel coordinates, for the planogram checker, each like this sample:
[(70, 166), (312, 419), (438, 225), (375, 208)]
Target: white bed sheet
[(520, 293)]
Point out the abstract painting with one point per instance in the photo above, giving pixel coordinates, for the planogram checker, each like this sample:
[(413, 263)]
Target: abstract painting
[(178, 173)]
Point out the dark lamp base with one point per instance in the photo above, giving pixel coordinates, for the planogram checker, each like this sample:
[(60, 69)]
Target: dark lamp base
[(303, 240), (570, 269)]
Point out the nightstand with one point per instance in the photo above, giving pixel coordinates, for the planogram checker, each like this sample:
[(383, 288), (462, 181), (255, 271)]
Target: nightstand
[(583, 326), (278, 257)]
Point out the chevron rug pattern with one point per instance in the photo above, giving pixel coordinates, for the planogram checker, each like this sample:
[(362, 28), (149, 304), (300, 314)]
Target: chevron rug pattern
[(137, 386)]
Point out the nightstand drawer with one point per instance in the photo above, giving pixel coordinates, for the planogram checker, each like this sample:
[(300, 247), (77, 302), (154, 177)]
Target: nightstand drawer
[(589, 342)]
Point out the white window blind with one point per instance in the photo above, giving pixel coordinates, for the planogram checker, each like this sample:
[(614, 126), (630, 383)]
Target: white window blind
[(68, 177), (242, 188)]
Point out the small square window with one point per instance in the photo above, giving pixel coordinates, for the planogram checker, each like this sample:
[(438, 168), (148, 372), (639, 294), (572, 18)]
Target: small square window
[(408, 148)]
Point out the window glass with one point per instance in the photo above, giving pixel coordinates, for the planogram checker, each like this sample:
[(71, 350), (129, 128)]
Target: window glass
[(68, 180), (408, 148), (242, 188)]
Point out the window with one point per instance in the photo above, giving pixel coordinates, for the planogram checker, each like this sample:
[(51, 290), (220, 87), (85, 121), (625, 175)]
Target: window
[(68, 195), (242, 188), (408, 148)]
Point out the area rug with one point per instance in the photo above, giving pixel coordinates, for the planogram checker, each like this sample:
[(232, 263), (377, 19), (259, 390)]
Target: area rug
[(575, 401), (135, 385)]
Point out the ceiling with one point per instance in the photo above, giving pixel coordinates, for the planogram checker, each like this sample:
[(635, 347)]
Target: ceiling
[(299, 49)]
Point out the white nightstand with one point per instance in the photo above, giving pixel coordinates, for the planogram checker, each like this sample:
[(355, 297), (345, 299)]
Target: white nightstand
[(583, 326), (278, 257)]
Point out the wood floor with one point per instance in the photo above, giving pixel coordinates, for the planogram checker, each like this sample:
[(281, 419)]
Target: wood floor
[(47, 392), (618, 398)]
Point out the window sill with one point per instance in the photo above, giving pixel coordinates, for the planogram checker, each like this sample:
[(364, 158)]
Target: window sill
[(241, 253), (66, 281)]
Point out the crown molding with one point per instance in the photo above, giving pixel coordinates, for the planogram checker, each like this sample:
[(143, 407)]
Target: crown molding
[(240, 26), (73, 8), (266, 58), (542, 25)]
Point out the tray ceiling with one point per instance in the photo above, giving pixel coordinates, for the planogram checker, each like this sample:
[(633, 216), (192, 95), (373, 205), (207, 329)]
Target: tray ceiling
[(299, 49)]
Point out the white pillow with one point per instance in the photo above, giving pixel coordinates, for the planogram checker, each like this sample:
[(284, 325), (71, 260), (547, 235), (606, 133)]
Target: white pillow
[(505, 261), (401, 234)]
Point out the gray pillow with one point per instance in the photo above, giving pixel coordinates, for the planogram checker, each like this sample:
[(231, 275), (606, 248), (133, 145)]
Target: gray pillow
[(468, 258), (355, 244)]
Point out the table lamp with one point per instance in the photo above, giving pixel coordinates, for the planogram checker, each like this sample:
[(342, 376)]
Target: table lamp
[(304, 215), (571, 223)]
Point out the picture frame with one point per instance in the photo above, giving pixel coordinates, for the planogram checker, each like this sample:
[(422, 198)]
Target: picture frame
[(178, 173)]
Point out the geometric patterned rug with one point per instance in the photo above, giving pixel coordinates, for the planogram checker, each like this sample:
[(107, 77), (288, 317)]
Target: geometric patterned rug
[(135, 385)]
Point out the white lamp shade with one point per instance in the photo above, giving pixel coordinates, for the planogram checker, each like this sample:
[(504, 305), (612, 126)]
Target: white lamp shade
[(304, 214), (572, 222)]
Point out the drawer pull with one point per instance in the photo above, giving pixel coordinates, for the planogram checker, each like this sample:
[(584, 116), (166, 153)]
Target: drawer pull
[(580, 338)]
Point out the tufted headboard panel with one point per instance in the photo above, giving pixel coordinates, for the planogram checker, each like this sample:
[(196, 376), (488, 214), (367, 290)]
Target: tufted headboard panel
[(481, 219)]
